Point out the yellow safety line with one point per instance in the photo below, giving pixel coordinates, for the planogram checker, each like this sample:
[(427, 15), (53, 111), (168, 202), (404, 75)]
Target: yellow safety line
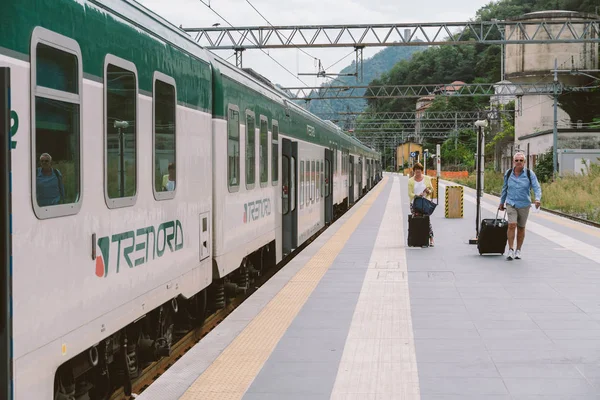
[(231, 374)]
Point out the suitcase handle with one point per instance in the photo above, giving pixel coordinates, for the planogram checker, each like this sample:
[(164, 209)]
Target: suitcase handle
[(496, 219)]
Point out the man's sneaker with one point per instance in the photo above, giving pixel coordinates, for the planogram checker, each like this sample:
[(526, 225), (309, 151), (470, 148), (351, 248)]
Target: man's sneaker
[(518, 254), (510, 255)]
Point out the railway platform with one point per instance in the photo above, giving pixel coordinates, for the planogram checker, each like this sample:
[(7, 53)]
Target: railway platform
[(359, 315)]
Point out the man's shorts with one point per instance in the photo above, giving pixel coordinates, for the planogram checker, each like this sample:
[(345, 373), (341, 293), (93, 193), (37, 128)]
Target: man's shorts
[(518, 215)]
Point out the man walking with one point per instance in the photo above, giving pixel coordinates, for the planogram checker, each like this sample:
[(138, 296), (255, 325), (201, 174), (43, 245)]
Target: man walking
[(518, 182)]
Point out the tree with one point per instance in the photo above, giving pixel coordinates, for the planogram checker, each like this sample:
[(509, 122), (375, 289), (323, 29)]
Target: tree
[(544, 166)]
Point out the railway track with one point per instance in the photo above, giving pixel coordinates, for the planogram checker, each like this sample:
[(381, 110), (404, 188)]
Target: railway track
[(572, 217), (152, 372), (564, 215), (156, 369)]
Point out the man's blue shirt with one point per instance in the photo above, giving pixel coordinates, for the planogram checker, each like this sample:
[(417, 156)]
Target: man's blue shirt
[(515, 190), (49, 188)]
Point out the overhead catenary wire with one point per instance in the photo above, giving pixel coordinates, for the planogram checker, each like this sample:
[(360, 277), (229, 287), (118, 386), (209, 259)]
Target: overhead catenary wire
[(263, 17), (268, 55), (302, 50)]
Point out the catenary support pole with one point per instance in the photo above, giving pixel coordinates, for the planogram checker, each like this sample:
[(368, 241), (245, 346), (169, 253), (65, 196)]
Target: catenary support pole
[(555, 122)]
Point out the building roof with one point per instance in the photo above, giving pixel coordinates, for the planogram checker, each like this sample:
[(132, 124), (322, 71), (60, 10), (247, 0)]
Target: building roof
[(453, 87), (559, 130)]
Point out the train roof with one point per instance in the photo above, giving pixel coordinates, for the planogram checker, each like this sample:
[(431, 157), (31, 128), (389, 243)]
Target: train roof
[(181, 38), (153, 24)]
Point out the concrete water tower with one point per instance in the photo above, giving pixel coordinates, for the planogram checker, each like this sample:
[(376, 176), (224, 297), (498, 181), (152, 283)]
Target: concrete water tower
[(532, 63)]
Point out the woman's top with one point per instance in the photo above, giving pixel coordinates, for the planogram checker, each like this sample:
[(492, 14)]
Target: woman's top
[(419, 187), (416, 188)]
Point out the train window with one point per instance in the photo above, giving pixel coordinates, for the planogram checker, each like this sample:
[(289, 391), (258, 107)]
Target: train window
[(164, 105), (263, 151), (335, 158), (322, 178), (57, 82), (301, 184), (275, 153), (121, 132), (285, 187), (319, 171), (317, 166), (308, 183), (307, 180), (327, 169), (313, 175), (346, 163), (250, 150), (293, 184), (233, 148)]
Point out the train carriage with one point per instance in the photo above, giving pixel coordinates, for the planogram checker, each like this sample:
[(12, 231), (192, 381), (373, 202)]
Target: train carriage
[(98, 241), (148, 176)]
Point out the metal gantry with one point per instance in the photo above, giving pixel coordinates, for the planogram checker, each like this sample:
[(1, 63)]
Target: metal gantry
[(395, 135), (403, 34), (420, 124), (437, 115), (415, 91)]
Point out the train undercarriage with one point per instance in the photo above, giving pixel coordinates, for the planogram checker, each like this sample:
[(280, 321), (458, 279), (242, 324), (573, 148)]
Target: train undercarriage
[(118, 360)]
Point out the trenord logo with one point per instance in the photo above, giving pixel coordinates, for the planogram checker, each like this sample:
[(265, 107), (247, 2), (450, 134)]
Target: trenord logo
[(138, 247)]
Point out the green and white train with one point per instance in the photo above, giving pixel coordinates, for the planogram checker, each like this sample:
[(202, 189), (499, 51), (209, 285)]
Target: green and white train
[(179, 178)]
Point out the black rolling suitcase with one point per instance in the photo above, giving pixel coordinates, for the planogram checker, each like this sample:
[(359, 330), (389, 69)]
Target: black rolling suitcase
[(493, 235), (418, 231)]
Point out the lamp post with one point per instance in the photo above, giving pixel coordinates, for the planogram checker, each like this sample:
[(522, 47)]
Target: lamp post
[(438, 160), (480, 124), (555, 122)]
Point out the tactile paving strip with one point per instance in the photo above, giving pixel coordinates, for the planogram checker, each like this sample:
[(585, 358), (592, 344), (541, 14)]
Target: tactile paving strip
[(231, 374)]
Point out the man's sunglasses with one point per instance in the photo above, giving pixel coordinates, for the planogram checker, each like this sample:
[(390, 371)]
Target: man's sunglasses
[(519, 160)]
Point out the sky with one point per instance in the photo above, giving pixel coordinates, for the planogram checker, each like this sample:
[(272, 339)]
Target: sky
[(195, 13)]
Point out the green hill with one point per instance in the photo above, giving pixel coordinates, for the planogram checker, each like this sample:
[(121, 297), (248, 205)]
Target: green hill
[(372, 69)]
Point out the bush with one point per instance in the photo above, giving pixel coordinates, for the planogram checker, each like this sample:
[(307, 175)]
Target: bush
[(577, 195), (492, 181), (544, 166)]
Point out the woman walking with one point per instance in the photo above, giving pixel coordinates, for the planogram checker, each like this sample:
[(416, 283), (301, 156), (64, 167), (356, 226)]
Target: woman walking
[(420, 185)]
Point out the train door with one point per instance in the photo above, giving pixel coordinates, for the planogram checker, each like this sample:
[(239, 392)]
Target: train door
[(328, 192), (289, 210), (351, 182), (6, 380)]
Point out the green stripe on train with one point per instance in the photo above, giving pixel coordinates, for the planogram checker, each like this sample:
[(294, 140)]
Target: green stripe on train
[(99, 33)]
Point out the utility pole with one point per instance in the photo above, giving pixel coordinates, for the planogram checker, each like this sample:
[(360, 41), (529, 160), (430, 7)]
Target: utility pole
[(456, 130), (438, 160), (480, 124), (555, 124), (396, 159), (384, 156), (455, 137)]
